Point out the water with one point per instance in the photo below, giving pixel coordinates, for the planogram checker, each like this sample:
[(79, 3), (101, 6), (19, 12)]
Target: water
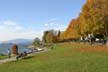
[(21, 48)]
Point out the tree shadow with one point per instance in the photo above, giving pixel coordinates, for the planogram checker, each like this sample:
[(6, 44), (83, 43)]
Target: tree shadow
[(28, 57)]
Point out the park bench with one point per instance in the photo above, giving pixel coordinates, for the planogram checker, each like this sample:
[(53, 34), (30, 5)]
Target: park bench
[(21, 55)]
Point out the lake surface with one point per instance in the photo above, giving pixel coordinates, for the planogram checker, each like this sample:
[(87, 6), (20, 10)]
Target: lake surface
[(21, 48)]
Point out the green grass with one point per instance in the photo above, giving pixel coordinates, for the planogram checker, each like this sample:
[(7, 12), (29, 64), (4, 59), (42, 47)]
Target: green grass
[(64, 58), (2, 57)]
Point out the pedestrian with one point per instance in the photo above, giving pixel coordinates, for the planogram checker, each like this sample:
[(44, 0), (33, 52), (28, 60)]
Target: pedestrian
[(9, 53)]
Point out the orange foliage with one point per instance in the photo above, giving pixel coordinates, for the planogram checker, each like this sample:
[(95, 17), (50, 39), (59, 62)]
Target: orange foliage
[(71, 31), (92, 19)]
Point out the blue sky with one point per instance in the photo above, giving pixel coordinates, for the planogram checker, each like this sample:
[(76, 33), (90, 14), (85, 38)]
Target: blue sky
[(29, 18)]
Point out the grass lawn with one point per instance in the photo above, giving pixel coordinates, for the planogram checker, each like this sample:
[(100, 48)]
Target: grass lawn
[(66, 57), (2, 57)]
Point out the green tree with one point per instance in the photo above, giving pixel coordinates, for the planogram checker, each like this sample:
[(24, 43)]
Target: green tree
[(37, 42)]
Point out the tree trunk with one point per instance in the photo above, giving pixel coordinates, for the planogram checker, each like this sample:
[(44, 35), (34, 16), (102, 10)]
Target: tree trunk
[(107, 43), (106, 38)]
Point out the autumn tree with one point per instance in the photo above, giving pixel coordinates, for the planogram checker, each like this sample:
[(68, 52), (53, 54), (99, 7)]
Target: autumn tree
[(71, 31), (94, 17), (50, 36)]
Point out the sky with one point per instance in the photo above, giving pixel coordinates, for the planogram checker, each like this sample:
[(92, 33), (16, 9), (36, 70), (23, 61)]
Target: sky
[(27, 19)]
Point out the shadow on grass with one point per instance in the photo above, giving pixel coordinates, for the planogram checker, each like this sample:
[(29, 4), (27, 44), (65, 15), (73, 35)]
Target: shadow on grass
[(28, 57)]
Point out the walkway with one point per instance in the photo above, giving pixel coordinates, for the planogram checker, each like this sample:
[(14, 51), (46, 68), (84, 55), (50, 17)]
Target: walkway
[(14, 58)]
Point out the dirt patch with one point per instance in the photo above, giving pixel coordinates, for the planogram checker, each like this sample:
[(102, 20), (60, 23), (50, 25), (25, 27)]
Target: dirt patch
[(69, 44), (93, 49)]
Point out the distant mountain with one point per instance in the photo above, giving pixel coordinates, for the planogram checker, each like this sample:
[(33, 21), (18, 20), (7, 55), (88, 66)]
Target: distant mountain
[(20, 41)]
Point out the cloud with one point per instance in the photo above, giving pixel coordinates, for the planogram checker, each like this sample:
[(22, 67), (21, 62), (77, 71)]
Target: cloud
[(9, 23), (46, 24), (61, 27), (7, 35), (54, 24), (51, 22), (11, 30)]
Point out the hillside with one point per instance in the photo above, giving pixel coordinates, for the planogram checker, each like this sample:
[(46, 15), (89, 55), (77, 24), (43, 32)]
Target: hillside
[(66, 57)]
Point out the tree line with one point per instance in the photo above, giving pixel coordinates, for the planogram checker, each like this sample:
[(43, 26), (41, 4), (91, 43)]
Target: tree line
[(93, 19)]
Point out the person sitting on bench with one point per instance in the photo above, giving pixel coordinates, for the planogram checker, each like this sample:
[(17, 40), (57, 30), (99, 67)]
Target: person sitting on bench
[(21, 55)]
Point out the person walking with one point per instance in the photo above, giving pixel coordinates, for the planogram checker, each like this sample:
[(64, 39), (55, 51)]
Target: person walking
[(9, 53)]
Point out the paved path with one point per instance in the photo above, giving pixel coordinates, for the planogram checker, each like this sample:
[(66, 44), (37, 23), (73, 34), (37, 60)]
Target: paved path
[(14, 58), (7, 60)]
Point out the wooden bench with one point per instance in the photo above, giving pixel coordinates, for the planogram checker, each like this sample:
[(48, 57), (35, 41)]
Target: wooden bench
[(21, 55)]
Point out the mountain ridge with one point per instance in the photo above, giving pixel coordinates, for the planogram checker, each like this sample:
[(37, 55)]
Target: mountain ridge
[(19, 41)]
